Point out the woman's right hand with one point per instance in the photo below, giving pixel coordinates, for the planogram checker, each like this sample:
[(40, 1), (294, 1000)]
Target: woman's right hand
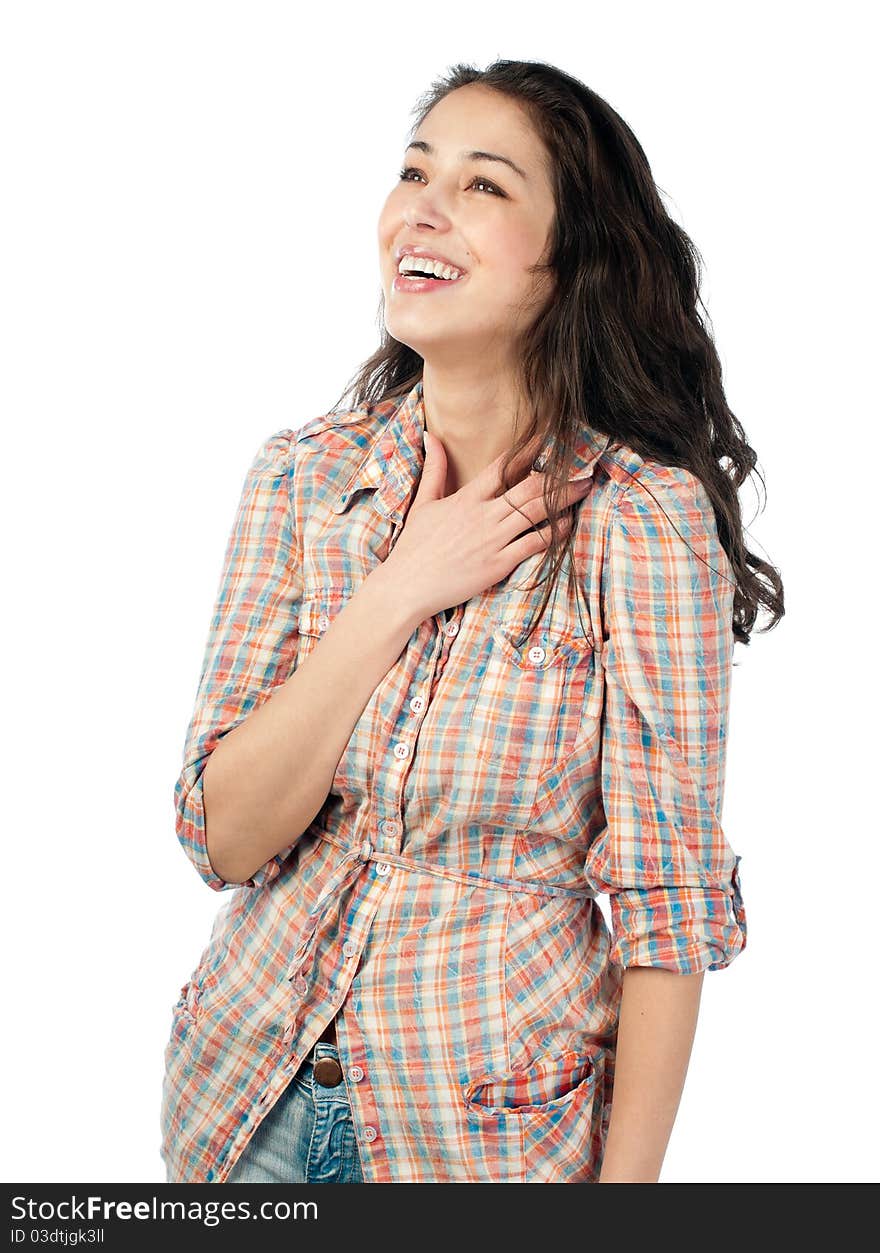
[(453, 547)]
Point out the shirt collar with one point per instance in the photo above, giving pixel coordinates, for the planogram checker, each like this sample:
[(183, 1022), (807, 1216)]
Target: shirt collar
[(393, 465)]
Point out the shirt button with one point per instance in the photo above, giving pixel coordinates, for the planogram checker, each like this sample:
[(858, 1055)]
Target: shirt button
[(451, 628), (383, 868), (401, 751), (537, 655), (323, 622), (349, 948), (417, 704), (388, 826), (355, 1073), (370, 1133)]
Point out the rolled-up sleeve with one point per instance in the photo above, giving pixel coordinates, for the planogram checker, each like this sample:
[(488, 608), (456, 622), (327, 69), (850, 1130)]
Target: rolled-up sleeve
[(661, 853), (252, 639)]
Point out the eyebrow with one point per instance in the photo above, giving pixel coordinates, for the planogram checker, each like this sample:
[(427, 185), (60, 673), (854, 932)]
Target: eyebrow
[(475, 155)]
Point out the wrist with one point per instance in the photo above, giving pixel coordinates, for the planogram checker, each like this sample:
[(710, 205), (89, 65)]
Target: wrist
[(395, 596)]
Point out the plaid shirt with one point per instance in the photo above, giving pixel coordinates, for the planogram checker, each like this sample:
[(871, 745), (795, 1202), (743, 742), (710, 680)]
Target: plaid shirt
[(443, 900)]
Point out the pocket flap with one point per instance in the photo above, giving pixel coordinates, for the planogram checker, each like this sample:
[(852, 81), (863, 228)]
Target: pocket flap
[(548, 1083), (546, 646)]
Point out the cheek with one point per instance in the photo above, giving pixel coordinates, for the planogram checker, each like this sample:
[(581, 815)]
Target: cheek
[(513, 284), (383, 229), (509, 256), (390, 219)]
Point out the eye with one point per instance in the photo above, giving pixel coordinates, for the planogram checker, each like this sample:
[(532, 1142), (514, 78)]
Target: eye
[(496, 190), (410, 169)]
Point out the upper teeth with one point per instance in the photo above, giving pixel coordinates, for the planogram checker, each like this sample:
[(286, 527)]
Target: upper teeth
[(427, 266)]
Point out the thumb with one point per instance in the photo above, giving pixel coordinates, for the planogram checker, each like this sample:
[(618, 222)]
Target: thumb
[(432, 484)]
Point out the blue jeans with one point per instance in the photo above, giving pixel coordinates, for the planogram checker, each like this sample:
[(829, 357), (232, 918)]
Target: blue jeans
[(307, 1136)]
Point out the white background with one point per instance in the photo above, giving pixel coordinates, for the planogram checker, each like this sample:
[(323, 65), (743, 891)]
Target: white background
[(189, 263)]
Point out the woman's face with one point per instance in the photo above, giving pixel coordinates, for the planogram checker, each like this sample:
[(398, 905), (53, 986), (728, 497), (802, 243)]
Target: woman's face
[(483, 216)]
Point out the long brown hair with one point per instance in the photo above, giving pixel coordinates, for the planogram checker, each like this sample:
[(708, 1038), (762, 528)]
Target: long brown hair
[(622, 344)]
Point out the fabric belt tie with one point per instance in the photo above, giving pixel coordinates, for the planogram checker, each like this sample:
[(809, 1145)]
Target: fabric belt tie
[(350, 866)]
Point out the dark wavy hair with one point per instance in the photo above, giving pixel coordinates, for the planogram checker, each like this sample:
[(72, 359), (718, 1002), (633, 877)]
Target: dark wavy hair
[(622, 344)]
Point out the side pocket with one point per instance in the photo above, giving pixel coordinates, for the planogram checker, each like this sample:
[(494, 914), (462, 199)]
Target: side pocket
[(548, 1084), (188, 1007), (552, 1104), (183, 1016)]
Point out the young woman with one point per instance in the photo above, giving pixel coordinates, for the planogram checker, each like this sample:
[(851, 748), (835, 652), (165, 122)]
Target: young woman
[(417, 761)]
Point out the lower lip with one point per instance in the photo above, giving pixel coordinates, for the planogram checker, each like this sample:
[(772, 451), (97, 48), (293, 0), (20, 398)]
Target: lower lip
[(403, 283)]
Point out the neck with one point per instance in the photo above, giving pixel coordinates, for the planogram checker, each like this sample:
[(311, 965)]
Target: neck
[(473, 416)]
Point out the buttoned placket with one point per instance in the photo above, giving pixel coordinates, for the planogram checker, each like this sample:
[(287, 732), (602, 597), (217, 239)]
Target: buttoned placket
[(390, 831), (345, 875)]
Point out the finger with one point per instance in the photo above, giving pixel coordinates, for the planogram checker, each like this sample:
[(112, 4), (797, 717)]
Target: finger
[(488, 482), (539, 535), (536, 540), (532, 488), (566, 523), (513, 518)]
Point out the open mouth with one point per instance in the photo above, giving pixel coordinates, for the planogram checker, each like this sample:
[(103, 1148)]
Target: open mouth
[(418, 280), (440, 278)]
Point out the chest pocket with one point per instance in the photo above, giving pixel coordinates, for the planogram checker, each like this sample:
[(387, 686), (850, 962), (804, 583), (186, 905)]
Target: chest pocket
[(534, 701)]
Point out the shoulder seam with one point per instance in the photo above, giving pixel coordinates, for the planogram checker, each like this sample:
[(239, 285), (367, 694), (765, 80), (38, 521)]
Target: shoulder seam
[(324, 421), (660, 481)]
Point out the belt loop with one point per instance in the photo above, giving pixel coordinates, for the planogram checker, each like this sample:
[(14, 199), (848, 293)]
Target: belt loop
[(366, 850)]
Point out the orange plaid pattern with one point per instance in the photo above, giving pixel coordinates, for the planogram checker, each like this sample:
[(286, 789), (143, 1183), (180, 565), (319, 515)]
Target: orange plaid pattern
[(443, 900)]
